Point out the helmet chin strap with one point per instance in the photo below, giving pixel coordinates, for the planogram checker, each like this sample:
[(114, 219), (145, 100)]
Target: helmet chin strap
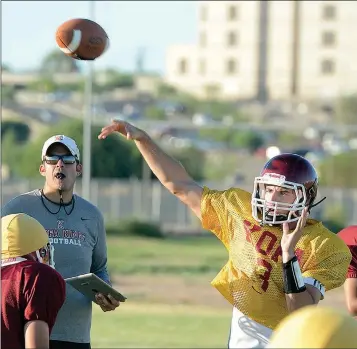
[(314, 205)]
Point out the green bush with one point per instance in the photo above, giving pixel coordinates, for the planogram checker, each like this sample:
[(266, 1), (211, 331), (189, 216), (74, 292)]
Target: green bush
[(334, 225), (135, 228), (219, 135), (247, 140), (234, 139), (44, 83), (118, 80), (165, 90), (334, 218), (107, 156), (8, 93), (346, 109), (20, 130), (192, 159), (335, 171), (154, 113)]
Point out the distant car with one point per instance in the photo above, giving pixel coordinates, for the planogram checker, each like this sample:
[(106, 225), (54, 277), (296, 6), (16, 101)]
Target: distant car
[(58, 96), (171, 108), (46, 116), (201, 119)]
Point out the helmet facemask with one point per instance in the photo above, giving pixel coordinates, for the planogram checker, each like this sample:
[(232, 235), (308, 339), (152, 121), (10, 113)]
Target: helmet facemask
[(44, 255), (275, 212)]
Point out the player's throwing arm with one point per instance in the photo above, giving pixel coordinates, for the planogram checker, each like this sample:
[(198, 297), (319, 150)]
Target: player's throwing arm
[(168, 170)]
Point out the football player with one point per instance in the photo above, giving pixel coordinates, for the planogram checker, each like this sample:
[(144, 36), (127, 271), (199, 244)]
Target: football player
[(32, 292), (316, 327), (279, 260), (349, 236)]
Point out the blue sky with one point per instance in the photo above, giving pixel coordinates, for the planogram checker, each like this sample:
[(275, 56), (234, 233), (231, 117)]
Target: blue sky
[(28, 29)]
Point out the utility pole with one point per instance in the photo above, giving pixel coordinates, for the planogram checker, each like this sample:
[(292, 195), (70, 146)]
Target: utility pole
[(87, 122)]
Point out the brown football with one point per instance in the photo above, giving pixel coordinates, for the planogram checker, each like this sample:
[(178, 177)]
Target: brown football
[(82, 39)]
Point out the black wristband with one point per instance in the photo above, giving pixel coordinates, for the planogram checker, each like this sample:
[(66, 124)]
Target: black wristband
[(293, 280)]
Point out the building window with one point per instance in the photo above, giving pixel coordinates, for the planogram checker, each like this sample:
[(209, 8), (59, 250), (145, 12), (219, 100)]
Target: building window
[(329, 12), (328, 38), (232, 39), (231, 67), (232, 13), (203, 13), (182, 66), (328, 67), (202, 67), (203, 39)]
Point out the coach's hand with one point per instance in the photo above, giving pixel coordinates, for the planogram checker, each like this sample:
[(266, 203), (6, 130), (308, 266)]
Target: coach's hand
[(124, 128), (107, 303), (290, 239)]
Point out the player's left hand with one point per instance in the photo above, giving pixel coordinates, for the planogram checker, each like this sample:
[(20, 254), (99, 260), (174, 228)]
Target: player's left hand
[(107, 303), (290, 239)]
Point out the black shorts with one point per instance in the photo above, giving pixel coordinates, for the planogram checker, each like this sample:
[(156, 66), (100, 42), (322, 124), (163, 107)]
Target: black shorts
[(68, 345)]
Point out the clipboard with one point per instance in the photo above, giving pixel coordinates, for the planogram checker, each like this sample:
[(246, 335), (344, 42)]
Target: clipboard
[(90, 284)]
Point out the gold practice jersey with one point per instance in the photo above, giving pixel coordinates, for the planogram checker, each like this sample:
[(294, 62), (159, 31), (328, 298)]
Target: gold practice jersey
[(252, 279)]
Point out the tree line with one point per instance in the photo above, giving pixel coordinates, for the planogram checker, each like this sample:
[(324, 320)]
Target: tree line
[(118, 158)]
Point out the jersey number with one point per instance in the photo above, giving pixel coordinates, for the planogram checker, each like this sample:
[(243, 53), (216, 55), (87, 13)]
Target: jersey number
[(269, 250)]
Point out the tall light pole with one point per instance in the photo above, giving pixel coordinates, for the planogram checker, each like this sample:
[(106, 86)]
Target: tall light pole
[(87, 122)]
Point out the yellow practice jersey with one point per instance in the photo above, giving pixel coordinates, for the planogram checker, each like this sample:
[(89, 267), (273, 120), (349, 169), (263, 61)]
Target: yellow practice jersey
[(252, 279)]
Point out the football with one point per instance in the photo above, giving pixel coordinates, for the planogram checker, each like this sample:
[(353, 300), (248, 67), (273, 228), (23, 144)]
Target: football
[(82, 39)]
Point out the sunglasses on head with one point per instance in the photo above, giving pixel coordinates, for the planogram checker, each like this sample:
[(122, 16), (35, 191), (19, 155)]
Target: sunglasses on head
[(66, 159)]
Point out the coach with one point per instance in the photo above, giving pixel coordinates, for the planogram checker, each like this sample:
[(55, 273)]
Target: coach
[(76, 232)]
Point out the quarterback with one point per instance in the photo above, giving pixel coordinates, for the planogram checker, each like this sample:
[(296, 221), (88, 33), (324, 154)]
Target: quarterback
[(279, 260)]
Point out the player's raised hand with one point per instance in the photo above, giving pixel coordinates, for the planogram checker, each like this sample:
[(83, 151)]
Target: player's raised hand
[(124, 128), (290, 239)]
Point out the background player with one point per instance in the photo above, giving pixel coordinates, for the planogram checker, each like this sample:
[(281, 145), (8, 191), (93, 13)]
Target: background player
[(32, 292), (277, 263), (349, 236)]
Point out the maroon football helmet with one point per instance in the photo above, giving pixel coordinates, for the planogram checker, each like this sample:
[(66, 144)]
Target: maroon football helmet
[(290, 171)]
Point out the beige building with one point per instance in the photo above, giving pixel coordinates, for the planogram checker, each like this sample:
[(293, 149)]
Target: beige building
[(276, 50)]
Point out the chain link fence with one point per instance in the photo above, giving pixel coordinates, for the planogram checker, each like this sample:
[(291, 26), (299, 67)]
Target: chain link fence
[(150, 201)]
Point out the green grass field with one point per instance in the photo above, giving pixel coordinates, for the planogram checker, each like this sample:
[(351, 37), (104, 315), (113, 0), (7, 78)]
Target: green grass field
[(160, 326), (170, 300), (174, 256), (171, 303)]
